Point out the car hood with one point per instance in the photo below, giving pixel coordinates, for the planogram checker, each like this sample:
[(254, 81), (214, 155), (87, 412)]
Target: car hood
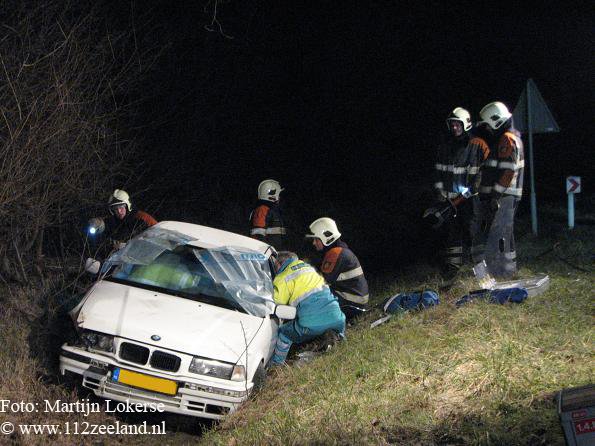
[(187, 326)]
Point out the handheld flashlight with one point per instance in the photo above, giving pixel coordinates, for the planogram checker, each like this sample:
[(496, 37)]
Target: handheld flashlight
[(96, 226)]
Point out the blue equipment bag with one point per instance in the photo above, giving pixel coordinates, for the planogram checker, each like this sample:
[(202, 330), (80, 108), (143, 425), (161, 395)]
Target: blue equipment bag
[(410, 301), (498, 296)]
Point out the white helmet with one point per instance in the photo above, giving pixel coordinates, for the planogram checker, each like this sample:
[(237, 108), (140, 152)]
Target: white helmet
[(462, 115), (120, 197), (269, 190), (325, 229), (495, 114)]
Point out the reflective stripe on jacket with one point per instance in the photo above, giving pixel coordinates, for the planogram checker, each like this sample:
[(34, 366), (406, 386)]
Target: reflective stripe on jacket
[(457, 165), (343, 272), (298, 284), (266, 220), (502, 173)]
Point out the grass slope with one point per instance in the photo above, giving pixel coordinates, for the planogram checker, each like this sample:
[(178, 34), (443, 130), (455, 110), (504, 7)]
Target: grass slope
[(481, 374)]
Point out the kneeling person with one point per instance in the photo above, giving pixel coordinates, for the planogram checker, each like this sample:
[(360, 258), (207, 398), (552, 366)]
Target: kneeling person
[(340, 267), (298, 284)]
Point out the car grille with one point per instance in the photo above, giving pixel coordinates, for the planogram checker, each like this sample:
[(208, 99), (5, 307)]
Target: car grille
[(134, 353), (165, 361)]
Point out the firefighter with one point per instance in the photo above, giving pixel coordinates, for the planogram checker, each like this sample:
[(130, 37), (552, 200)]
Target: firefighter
[(122, 224), (266, 220), (298, 284), (500, 192), (340, 267), (456, 179)]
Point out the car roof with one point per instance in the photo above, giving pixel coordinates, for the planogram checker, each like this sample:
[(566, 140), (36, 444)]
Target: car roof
[(207, 237)]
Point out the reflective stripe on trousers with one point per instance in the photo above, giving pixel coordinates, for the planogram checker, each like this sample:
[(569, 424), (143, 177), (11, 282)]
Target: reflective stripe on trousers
[(458, 241), (353, 297), (500, 254), (517, 192), (453, 255)]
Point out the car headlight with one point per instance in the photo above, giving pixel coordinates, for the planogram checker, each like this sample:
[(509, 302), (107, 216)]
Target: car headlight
[(98, 341), (218, 369)]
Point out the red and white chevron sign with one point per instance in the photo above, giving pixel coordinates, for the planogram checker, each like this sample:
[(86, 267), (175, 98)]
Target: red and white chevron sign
[(573, 185)]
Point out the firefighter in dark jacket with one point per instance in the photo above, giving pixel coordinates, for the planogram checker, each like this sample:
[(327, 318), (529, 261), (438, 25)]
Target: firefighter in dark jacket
[(266, 220), (500, 192), (340, 267), (107, 234), (456, 177)]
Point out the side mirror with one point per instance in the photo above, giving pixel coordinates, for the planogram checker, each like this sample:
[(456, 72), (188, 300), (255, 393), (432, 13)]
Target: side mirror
[(92, 266), (286, 312)]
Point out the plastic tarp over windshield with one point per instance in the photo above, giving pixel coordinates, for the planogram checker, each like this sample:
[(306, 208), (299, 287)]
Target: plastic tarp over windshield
[(145, 248), (238, 275), (245, 275)]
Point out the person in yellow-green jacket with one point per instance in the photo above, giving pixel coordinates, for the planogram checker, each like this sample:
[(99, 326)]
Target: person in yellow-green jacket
[(298, 284)]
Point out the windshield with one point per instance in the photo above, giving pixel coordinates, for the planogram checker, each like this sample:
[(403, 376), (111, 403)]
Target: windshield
[(228, 277)]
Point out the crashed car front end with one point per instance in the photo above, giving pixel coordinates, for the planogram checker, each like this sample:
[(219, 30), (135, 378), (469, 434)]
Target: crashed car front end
[(174, 324), (148, 375)]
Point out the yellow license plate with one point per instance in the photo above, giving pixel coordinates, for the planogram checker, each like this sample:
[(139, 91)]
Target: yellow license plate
[(143, 381)]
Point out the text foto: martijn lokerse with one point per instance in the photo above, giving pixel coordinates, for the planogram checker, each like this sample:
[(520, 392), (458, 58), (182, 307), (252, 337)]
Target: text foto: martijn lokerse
[(86, 407)]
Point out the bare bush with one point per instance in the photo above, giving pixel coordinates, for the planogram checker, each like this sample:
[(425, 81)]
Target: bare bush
[(67, 83)]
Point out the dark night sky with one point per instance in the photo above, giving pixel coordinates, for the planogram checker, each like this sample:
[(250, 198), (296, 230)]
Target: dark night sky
[(344, 104)]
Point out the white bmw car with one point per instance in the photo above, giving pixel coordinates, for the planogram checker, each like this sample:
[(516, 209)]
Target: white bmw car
[(184, 316)]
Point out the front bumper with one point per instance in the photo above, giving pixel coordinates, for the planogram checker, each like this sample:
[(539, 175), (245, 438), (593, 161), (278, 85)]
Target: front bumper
[(194, 397)]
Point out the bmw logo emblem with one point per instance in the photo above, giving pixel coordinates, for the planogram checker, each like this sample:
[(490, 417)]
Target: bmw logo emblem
[(156, 338)]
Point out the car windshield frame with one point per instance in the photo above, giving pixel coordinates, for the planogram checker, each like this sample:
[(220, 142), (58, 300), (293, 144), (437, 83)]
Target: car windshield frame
[(165, 261)]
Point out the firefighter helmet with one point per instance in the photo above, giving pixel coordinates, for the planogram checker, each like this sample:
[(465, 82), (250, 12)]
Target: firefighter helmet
[(462, 115), (269, 190), (325, 229), (495, 114), (120, 197)]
